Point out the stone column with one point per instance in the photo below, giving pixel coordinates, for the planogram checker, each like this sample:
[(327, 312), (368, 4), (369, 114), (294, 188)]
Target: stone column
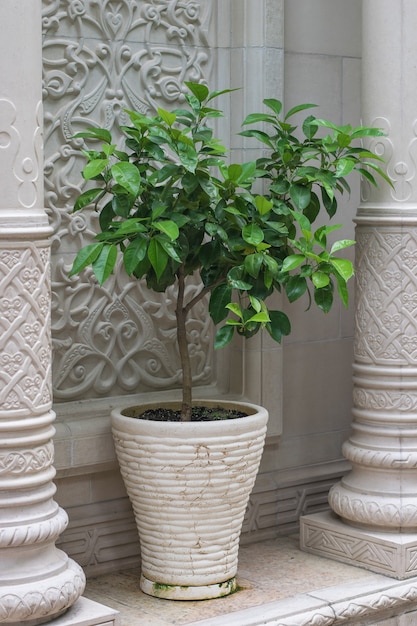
[(375, 506), (37, 581)]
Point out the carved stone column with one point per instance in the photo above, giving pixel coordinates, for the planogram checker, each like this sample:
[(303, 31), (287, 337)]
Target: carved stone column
[(37, 581), (376, 503)]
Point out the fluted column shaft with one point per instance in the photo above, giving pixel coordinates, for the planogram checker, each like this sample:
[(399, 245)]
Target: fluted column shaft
[(37, 581), (381, 490)]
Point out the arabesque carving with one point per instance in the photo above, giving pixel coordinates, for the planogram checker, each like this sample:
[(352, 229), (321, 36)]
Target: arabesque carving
[(24, 321), (101, 58), (386, 309)]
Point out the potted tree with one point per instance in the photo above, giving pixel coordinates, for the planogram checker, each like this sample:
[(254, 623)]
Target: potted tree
[(169, 202)]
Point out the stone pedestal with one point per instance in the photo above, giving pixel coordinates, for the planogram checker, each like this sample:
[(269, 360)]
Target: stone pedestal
[(377, 501), (391, 554)]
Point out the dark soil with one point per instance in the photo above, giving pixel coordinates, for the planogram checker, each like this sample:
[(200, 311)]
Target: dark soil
[(199, 414)]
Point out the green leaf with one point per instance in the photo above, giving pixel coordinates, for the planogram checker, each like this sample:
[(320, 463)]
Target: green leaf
[(223, 336), (235, 308), (271, 264), (121, 202), (253, 264), (254, 118), (158, 209), (167, 116), (366, 131), (256, 304), (130, 227), (95, 133), (263, 205), (278, 325), (168, 227), (309, 129), (342, 289), (260, 318), (188, 156), (324, 297), (344, 267), (302, 220), (234, 172), (85, 257), (135, 253), (236, 281), (292, 261), (219, 299), (344, 167), (273, 104), (300, 195), (215, 94), (104, 264), (87, 198), (127, 176), (94, 168), (344, 140), (298, 108), (295, 287), (252, 234), (170, 249), (158, 257), (340, 245), (259, 135), (200, 91), (215, 230)]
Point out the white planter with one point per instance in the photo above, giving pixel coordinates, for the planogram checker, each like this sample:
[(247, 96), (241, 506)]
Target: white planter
[(189, 484)]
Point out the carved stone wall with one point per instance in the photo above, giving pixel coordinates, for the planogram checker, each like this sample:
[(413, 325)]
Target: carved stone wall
[(101, 58)]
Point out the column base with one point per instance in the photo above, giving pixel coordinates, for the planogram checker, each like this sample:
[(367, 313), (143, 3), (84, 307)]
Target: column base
[(391, 554), (85, 612)]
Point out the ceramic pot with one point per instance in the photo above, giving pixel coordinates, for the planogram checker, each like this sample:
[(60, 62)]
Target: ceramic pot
[(189, 484)]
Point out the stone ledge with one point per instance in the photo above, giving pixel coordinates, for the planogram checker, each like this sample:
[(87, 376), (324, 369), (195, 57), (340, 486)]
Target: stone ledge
[(85, 612), (355, 603)]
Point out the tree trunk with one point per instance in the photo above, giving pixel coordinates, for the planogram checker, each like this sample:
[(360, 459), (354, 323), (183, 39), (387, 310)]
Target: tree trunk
[(181, 315)]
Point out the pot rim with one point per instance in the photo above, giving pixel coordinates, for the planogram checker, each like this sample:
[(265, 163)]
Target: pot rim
[(257, 415)]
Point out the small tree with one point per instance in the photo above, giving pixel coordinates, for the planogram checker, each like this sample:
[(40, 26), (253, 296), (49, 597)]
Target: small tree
[(173, 207)]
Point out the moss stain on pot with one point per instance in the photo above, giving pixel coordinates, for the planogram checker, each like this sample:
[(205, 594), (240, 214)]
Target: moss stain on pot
[(162, 590)]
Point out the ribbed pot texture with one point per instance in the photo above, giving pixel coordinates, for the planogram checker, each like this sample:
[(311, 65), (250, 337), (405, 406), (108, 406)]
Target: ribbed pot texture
[(189, 484)]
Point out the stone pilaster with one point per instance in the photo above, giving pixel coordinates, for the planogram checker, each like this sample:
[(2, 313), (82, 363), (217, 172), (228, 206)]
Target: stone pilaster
[(37, 581), (376, 503)]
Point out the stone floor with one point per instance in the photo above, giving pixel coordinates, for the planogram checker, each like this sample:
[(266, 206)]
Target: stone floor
[(279, 585)]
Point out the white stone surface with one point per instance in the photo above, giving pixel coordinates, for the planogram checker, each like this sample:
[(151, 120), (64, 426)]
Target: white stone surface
[(381, 602), (86, 612)]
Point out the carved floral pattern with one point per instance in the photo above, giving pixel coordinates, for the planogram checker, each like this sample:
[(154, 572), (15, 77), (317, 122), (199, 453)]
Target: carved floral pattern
[(27, 461), (386, 311), (24, 329), (49, 598), (385, 400), (101, 58), (372, 510)]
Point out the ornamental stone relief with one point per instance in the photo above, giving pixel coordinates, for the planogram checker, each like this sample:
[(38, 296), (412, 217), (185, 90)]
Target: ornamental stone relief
[(386, 313), (20, 155), (24, 329), (402, 171), (374, 510), (100, 58), (386, 400)]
